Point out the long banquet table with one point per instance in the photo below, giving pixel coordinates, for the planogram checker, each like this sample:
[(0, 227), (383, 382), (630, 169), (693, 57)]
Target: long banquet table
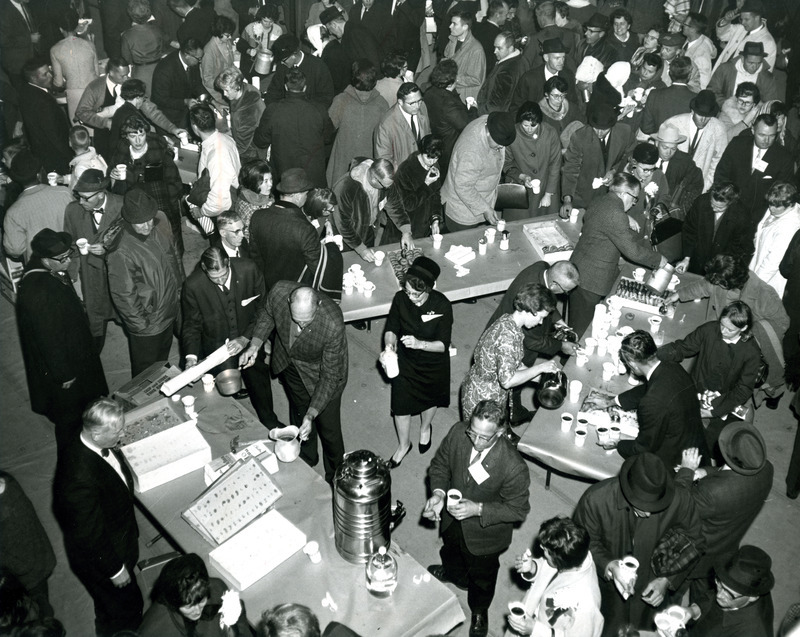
[(543, 439), (488, 274), (413, 609)]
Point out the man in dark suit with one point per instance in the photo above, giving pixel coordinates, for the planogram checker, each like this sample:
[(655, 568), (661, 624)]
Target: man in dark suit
[(489, 28), (560, 278), (728, 498), (531, 85), (198, 20), (407, 20), (114, 20), (684, 178), (594, 42), (93, 504), (753, 161), (177, 83), (501, 82), (319, 84), (663, 103), (375, 16), (546, 19), (356, 42), (478, 460), (666, 404), (606, 236), (284, 244), (594, 153), (46, 123), (19, 37), (219, 301), (230, 236), (629, 515), (310, 354), (447, 112)]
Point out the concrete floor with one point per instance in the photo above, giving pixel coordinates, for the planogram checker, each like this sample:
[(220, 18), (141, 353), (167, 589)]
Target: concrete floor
[(27, 450)]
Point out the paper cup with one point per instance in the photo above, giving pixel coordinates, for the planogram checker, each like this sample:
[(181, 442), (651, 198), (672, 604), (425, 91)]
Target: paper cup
[(536, 186), (453, 498), (122, 169), (208, 382), (655, 324), (369, 288), (380, 255), (348, 289), (482, 246), (638, 274), (609, 370), (566, 422), (602, 347), (188, 402), (628, 566), (583, 421), (83, 246), (580, 437), (501, 225), (603, 435), (356, 267), (489, 233), (517, 609), (312, 550), (573, 215), (390, 364), (581, 359), (437, 241), (52, 179), (591, 343), (575, 387), (614, 434)]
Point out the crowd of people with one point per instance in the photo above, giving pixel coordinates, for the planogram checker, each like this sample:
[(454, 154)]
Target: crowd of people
[(670, 129)]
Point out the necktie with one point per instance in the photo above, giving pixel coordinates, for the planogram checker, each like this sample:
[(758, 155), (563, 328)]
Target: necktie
[(695, 139), (414, 127), (124, 466), (458, 45), (97, 216), (28, 19), (104, 453), (225, 289)]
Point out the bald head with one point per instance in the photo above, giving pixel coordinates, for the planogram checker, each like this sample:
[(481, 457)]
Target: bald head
[(303, 304), (565, 274)]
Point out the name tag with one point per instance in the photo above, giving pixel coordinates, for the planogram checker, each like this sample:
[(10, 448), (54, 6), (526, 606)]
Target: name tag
[(478, 473), (760, 165)]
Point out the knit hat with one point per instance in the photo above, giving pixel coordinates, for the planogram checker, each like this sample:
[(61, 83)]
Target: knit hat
[(501, 128), (646, 483), (50, 244), (138, 206), (426, 269), (743, 448)]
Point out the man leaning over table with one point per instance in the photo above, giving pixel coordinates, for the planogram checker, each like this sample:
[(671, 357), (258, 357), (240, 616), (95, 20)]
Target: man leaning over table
[(478, 460), (560, 278), (310, 354), (470, 189)]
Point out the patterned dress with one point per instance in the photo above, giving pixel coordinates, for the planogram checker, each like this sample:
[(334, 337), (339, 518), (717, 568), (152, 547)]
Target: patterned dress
[(497, 356)]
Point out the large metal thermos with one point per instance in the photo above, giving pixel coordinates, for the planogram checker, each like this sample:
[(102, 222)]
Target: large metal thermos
[(263, 62), (659, 279), (552, 389), (362, 512)]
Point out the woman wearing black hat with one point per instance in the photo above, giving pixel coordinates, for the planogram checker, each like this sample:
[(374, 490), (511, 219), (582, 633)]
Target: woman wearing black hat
[(420, 319)]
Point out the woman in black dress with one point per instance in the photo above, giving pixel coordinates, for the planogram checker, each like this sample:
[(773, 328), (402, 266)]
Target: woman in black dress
[(421, 320)]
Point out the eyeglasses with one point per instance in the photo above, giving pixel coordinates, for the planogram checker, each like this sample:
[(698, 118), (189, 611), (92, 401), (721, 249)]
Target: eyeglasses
[(646, 169), (476, 437), (196, 57), (64, 258), (414, 103), (590, 30), (84, 197), (632, 196), (744, 103), (556, 96), (413, 294)]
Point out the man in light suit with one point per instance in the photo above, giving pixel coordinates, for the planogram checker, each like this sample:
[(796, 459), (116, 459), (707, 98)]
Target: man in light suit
[(704, 136), (93, 504), (219, 301), (753, 161), (752, 28), (594, 153), (478, 460), (310, 354), (606, 236), (397, 135)]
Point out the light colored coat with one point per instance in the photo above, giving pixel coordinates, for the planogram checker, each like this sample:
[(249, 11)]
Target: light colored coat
[(394, 139), (772, 239), (74, 63), (471, 61), (702, 53), (710, 147), (735, 36)]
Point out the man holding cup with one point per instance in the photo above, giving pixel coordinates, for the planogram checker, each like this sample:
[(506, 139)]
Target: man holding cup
[(477, 460), (629, 516)]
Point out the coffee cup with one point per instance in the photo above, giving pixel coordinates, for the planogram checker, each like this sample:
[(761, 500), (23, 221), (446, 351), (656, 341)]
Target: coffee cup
[(517, 609), (368, 289), (490, 233), (390, 364), (573, 215), (602, 346), (580, 437), (83, 246), (581, 358), (609, 370), (575, 387), (453, 497), (312, 550), (380, 255), (348, 289), (603, 435), (437, 241), (536, 186), (122, 170), (52, 179), (590, 345), (655, 324), (583, 421), (566, 422), (208, 382), (638, 274), (628, 566), (501, 225), (614, 434)]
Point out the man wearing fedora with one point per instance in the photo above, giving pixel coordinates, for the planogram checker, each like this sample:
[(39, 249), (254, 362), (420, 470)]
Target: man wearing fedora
[(531, 84), (90, 217), (704, 137), (144, 278), (470, 188), (38, 206), (594, 42), (754, 161), (684, 178), (283, 243), (595, 152), (752, 27), (628, 516), (62, 366), (747, 67), (743, 604), (728, 498)]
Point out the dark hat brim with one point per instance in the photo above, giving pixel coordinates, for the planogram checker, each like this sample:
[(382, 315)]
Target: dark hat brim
[(726, 447), (634, 495)]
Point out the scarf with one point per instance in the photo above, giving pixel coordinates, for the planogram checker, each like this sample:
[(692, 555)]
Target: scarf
[(553, 114)]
